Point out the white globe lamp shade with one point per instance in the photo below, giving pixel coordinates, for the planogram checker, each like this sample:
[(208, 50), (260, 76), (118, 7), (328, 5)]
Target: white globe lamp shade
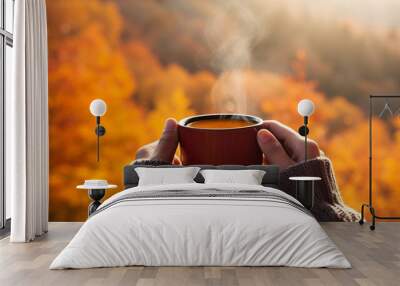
[(98, 107), (305, 107)]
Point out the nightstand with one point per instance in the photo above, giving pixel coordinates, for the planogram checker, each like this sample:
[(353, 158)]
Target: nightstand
[(96, 191), (305, 190)]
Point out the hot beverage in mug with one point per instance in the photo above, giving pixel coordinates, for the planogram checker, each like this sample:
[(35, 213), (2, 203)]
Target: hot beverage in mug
[(220, 123), (220, 139)]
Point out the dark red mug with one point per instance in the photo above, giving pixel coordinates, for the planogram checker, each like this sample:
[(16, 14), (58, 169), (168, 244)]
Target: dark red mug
[(220, 146)]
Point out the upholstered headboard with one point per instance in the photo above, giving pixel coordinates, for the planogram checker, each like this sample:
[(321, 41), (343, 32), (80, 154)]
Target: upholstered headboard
[(271, 177)]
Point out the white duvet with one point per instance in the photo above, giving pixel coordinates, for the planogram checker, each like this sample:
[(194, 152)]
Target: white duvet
[(200, 231)]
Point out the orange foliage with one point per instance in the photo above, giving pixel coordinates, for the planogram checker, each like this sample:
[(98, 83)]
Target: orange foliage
[(87, 61), (156, 81)]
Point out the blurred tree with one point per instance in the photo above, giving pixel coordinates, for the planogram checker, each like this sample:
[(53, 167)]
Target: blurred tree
[(86, 62), (155, 81)]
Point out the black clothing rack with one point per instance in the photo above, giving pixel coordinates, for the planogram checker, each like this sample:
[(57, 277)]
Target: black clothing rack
[(370, 204)]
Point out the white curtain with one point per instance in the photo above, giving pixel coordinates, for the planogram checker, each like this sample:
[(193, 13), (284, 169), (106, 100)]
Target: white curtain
[(27, 124)]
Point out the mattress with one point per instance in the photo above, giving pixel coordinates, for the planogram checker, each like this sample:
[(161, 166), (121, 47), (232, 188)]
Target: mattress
[(201, 225)]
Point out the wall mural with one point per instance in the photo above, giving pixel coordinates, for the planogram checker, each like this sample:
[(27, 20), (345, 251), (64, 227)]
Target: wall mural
[(150, 60)]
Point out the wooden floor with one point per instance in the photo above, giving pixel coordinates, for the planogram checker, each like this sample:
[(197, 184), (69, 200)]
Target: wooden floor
[(375, 257)]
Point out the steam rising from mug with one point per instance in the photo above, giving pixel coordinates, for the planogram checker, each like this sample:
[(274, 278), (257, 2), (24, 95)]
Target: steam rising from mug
[(231, 43)]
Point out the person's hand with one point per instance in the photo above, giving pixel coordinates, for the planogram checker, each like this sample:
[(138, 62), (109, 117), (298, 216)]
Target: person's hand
[(283, 146), (163, 149)]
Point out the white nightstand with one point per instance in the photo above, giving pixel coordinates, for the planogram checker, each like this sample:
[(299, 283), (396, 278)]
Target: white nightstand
[(305, 190), (96, 191)]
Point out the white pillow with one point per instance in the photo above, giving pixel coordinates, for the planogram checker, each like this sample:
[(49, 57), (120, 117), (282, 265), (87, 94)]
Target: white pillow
[(164, 176), (248, 177)]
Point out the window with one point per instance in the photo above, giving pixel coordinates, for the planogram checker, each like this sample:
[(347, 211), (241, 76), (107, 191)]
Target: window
[(6, 60)]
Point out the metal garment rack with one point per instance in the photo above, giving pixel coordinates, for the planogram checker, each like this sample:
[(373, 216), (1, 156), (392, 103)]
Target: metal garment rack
[(370, 204)]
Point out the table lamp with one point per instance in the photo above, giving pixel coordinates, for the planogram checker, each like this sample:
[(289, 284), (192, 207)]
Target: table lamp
[(98, 108), (305, 108)]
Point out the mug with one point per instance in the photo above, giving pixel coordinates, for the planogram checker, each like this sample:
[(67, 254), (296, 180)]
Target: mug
[(220, 146)]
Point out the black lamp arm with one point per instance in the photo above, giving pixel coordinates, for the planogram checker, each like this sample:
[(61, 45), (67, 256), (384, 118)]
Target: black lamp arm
[(100, 131), (303, 131), (305, 137)]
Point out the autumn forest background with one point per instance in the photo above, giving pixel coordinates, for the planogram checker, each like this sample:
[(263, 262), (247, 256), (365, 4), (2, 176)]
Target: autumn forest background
[(150, 60)]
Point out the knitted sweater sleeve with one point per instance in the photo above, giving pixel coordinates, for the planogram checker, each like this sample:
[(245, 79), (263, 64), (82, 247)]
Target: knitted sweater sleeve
[(328, 203)]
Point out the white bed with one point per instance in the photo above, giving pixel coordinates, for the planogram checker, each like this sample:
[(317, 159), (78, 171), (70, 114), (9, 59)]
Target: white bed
[(207, 230)]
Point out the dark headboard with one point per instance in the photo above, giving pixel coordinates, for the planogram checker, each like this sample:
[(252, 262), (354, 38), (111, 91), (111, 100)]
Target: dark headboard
[(271, 177)]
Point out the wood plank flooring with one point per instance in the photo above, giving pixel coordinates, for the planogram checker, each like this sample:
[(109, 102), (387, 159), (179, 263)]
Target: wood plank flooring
[(375, 257)]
